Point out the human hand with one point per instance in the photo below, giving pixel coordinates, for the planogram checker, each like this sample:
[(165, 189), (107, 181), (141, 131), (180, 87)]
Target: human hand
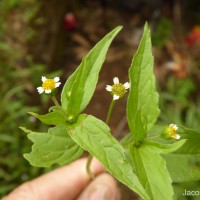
[(69, 183)]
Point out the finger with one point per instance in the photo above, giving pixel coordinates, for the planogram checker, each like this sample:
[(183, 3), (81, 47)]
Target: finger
[(63, 183), (104, 187)]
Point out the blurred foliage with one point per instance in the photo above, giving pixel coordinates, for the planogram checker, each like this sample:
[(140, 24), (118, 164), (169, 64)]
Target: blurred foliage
[(18, 75), (180, 104), (162, 32)]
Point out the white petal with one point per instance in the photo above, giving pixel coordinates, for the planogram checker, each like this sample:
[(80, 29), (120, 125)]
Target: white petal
[(127, 85), (56, 79), (115, 97), (177, 136), (57, 84), (115, 80), (109, 88), (44, 78), (40, 90), (47, 91), (174, 126)]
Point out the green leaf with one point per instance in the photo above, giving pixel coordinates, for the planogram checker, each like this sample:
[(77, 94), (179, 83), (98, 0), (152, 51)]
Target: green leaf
[(142, 105), (54, 147), (183, 167), (152, 172), (94, 136), (192, 144), (80, 86), (52, 118), (166, 148), (184, 164), (77, 89)]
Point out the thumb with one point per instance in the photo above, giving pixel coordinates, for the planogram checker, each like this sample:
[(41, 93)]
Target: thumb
[(104, 187)]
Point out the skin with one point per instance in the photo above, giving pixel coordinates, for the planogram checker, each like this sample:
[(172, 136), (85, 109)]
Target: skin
[(69, 183)]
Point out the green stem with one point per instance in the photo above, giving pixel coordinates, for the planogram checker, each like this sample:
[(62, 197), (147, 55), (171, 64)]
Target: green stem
[(110, 111), (58, 105), (90, 157)]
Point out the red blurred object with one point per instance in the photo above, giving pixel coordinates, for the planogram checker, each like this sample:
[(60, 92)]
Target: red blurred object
[(194, 36), (70, 22)]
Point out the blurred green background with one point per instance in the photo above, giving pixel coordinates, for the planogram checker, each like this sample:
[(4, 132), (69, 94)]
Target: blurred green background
[(50, 38)]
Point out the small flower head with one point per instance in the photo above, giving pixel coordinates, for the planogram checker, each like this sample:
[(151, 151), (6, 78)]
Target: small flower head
[(118, 90), (48, 85), (171, 132)]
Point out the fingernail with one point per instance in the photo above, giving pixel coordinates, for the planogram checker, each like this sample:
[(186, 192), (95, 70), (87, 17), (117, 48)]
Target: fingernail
[(100, 193)]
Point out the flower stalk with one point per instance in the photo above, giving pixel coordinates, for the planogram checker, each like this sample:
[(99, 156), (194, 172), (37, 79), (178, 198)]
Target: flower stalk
[(58, 105), (110, 111)]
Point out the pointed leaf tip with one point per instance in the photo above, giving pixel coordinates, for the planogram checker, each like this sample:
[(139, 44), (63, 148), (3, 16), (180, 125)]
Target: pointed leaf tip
[(142, 105), (82, 83)]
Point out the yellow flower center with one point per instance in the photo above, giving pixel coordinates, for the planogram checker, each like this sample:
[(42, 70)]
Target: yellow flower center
[(119, 89), (49, 84), (172, 131)]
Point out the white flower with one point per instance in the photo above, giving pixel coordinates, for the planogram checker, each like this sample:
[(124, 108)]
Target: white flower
[(172, 131), (118, 90), (48, 85)]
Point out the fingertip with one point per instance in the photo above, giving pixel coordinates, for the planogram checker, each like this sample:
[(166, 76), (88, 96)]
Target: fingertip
[(104, 187), (96, 167), (65, 181)]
